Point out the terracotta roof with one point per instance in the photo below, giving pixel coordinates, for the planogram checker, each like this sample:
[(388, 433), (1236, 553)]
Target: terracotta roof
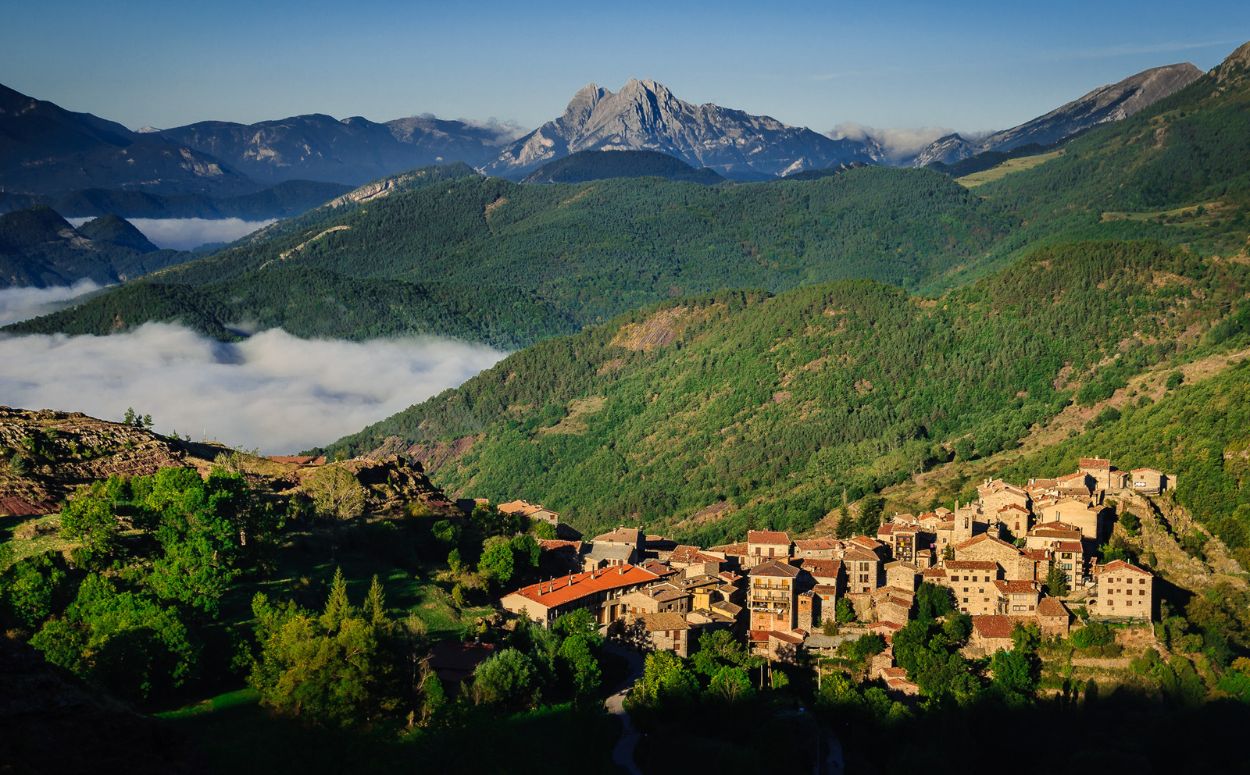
[(1094, 462), (980, 539), (735, 550), (816, 544), (1055, 530), (769, 537), (1013, 507), (793, 639), (665, 620), (1052, 607), (823, 568), (759, 636), (1146, 471), (933, 573), (893, 672), (622, 535), (993, 626), (1036, 555), (1115, 565), (971, 565), (1069, 546), (658, 568), (684, 553), (886, 529), (868, 543), (1016, 587), (858, 552), (775, 568), (825, 589), (556, 544), (1072, 476), (578, 585)]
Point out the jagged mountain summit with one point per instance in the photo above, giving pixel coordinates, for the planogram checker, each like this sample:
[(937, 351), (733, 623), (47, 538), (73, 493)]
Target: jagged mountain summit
[(351, 151), (1113, 102), (646, 115)]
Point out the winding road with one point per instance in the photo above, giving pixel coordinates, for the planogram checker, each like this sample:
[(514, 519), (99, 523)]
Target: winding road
[(623, 751)]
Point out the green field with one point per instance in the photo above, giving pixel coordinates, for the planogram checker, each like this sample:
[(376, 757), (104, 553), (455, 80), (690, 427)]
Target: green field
[(1006, 168)]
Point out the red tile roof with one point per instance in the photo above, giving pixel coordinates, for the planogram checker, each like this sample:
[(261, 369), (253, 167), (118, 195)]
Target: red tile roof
[(1069, 546), (1115, 565), (569, 588), (1052, 607), (980, 539), (774, 568), (816, 544), (768, 537), (1093, 462), (993, 626), (971, 565), (823, 568), (1016, 587)]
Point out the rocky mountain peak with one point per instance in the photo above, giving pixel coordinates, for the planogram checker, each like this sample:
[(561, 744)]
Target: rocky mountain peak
[(1233, 66)]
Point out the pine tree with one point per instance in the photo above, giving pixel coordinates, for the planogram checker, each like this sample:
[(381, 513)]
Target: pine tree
[(338, 607), (375, 604)]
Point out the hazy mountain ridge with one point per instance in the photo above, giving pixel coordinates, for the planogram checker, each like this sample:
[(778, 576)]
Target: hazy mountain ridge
[(585, 166), (349, 151)]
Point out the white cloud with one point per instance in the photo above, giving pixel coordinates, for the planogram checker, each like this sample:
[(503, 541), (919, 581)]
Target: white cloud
[(24, 303), (188, 233), (273, 391), (897, 143)]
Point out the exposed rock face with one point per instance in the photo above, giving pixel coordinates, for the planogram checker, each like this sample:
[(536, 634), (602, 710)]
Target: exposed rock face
[(1236, 65), (351, 151), (645, 115), (1104, 104)]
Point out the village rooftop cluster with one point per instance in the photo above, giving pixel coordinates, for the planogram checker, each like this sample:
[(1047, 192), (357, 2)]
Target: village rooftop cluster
[(777, 592)]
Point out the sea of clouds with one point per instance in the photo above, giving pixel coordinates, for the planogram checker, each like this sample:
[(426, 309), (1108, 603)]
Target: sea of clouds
[(24, 303), (189, 233), (273, 391)]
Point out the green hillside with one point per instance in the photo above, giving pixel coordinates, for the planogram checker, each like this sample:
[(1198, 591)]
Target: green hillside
[(557, 253), (705, 415)]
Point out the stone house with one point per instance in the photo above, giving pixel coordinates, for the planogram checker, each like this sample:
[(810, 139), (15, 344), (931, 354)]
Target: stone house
[(901, 574), (667, 632), (990, 633), (1017, 598), (1148, 481), (817, 548), (862, 568), (1053, 617), (771, 592), (972, 581), (599, 591), (987, 547), (1124, 591), (765, 545)]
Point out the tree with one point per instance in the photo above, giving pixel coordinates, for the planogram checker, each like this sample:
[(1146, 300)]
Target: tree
[(90, 520), (446, 531), (1056, 581), (870, 510), (498, 562), (526, 551), (843, 611), (846, 524), (578, 650), (730, 684), (335, 669), (508, 680), (717, 649), (665, 681), (34, 589), (336, 493), (933, 601), (121, 640)]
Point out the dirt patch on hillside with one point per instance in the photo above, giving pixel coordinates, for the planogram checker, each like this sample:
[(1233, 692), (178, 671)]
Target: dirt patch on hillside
[(284, 255), (580, 409), (493, 206), (661, 329)]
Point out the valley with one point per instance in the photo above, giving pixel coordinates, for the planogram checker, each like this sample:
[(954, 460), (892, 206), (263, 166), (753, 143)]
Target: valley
[(664, 434)]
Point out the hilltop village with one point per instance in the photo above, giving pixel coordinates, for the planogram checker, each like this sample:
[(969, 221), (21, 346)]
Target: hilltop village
[(1016, 555)]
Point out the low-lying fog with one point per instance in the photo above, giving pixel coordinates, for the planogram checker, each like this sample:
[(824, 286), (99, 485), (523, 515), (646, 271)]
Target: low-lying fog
[(273, 392), (23, 303), (190, 233)]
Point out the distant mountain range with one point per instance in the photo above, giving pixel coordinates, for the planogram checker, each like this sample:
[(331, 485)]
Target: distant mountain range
[(40, 248), (645, 115), (350, 151), (1114, 102)]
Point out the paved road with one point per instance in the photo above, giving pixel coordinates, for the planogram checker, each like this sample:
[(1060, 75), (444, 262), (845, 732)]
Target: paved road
[(623, 751)]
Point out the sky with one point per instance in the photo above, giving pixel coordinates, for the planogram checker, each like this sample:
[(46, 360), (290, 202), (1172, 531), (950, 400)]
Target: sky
[(964, 65)]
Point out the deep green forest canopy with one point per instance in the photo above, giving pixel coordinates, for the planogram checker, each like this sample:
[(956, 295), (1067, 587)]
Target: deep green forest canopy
[(770, 408)]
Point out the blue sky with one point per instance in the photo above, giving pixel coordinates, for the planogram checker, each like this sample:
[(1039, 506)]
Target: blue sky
[(966, 65)]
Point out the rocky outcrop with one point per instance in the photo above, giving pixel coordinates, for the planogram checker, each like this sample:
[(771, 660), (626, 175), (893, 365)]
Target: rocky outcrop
[(645, 115)]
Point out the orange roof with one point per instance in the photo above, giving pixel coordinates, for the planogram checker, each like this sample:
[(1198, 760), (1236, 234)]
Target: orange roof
[(1115, 565), (886, 529), (871, 544), (813, 544), (1016, 587), (556, 544), (569, 588), (858, 552), (1071, 476), (993, 626), (933, 573), (775, 568), (769, 537), (735, 550), (1052, 606), (1069, 546), (823, 568), (971, 565), (980, 539), (1094, 462)]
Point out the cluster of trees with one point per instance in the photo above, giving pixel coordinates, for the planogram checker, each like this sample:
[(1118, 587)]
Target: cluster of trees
[(153, 558), (490, 550)]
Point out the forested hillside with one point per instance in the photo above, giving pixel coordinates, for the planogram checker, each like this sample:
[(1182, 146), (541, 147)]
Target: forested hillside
[(705, 415), (560, 253)]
